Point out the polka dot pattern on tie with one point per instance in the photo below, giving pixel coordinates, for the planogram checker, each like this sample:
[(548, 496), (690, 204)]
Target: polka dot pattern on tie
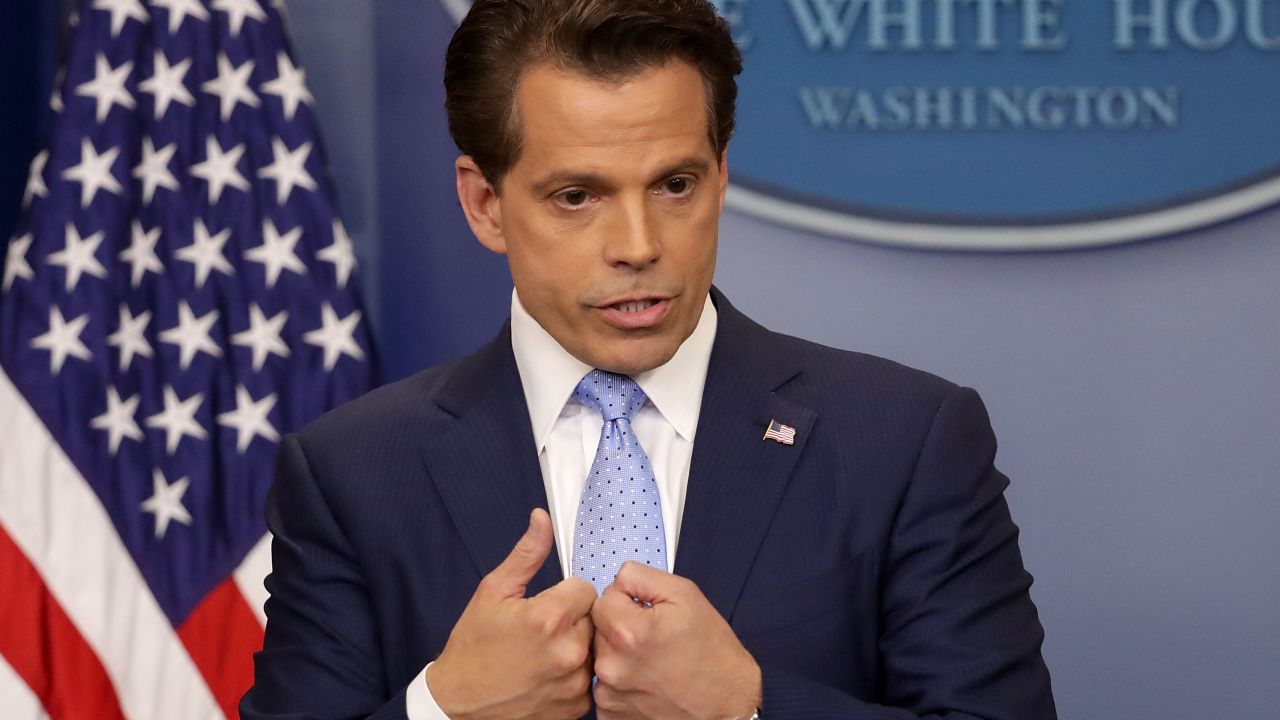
[(620, 514)]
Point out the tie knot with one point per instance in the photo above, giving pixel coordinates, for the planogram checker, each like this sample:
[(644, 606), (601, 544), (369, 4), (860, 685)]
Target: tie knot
[(615, 396)]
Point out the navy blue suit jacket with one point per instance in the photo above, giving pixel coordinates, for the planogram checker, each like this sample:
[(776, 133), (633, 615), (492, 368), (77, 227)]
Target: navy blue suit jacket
[(872, 568)]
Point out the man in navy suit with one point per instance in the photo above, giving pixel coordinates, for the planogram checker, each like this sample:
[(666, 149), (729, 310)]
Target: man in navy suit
[(834, 544)]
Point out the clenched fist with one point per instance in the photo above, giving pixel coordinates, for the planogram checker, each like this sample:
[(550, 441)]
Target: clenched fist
[(512, 656), (662, 651)]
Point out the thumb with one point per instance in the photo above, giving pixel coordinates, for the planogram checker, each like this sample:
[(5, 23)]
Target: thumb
[(514, 573)]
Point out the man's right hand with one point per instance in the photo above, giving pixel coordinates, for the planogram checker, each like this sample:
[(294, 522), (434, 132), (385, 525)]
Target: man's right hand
[(512, 656)]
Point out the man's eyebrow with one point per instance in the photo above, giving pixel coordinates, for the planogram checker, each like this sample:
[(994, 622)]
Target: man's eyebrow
[(569, 178), (692, 164)]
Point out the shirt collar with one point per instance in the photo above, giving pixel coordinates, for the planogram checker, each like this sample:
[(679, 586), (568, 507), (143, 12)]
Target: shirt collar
[(549, 373)]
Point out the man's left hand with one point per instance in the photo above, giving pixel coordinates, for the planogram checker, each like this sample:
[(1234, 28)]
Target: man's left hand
[(662, 651)]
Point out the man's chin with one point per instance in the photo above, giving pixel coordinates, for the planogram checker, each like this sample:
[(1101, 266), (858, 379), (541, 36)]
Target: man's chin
[(632, 358)]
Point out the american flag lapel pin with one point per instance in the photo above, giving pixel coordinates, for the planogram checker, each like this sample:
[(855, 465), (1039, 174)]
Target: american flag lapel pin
[(779, 432)]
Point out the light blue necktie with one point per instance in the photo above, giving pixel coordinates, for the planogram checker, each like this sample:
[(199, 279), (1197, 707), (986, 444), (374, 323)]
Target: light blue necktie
[(620, 514)]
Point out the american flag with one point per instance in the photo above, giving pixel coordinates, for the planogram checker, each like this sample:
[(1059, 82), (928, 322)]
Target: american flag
[(178, 295), (779, 432)]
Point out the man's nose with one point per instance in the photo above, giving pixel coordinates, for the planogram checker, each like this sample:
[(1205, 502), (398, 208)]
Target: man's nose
[(632, 240)]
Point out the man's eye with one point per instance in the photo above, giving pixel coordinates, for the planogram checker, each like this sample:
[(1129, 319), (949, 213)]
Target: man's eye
[(677, 185), (575, 197)]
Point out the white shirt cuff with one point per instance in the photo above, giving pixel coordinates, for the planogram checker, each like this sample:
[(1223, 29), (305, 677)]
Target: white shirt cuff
[(418, 702)]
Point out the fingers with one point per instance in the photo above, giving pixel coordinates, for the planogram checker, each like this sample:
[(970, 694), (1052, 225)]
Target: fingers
[(513, 575), (609, 702), (615, 602), (648, 584), (614, 701), (573, 597), (574, 692), (566, 653), (583, 630), (561, 617), (615, 617)]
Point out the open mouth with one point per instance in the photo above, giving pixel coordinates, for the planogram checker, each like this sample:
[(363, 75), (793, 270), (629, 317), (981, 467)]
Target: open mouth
[(634, 306), (642, 314)]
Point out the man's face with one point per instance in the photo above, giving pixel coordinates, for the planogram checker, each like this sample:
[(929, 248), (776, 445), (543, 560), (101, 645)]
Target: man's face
[(609, 217)]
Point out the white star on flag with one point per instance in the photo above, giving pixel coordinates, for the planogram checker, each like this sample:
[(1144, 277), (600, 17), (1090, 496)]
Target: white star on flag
[(118, 420), (121, 11), (238, 10), (290, 85), (263, 336), (77, 256), (178, 419), (153, 170), (180, 9), (232, 86), (141, 254), (166, 502), (36, 186), (288, 169), (168, 84), (130, 337), (205, 253), (336, 336), (340, 253), (15, 264), (107, 87), (191, 335), (219, 169), (249, 419), (94, 172), (276, 253), (62, 340)]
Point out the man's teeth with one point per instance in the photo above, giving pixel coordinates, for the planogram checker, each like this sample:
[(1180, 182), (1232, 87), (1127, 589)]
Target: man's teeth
[(637, 306)]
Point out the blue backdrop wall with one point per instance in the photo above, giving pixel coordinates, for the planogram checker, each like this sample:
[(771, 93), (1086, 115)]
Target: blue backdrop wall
[(1135, 389)]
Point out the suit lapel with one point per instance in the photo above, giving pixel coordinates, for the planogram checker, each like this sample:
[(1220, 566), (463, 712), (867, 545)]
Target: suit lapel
[(485, 466), (737, 478)]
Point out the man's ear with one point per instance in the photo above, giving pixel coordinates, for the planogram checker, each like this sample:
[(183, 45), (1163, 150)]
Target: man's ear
[(481, 204)]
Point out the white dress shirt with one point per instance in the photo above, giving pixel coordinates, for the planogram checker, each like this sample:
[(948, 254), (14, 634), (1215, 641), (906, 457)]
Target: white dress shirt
[(566, 435)]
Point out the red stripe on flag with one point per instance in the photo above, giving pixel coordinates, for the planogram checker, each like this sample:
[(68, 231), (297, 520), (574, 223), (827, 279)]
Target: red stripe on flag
[(44, 647), (221, 635)]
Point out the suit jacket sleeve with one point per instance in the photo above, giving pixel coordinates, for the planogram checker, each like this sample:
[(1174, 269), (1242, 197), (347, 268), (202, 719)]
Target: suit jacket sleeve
[(959, 636), (321, 656)]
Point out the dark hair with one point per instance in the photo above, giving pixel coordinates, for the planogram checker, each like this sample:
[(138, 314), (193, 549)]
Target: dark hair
[(606, 39)]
